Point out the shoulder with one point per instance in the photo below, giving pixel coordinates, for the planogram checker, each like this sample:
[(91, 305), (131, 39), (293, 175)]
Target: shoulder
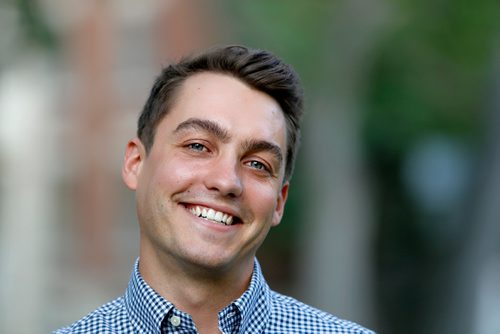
[(107, 319), (292, 316)]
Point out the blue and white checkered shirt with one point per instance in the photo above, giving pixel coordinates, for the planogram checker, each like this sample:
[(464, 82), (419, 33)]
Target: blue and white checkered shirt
[(258, 310)]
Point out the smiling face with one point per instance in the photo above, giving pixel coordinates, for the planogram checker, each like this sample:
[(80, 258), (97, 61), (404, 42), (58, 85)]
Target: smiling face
[(212, 185)]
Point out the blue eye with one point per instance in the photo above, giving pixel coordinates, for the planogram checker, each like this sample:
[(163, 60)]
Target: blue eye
[(197, 147), (257, 165)]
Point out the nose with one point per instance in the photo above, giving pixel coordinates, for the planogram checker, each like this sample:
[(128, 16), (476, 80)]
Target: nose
[(223, 176)]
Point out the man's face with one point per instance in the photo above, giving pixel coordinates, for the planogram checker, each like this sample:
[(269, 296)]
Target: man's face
[(212, 184)]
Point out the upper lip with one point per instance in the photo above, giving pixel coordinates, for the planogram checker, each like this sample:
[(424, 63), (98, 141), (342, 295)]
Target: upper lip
[(217, 207)]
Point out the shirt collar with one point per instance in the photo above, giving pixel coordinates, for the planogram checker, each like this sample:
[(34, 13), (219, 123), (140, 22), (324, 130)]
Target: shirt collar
[(254, 304), (147, 309)]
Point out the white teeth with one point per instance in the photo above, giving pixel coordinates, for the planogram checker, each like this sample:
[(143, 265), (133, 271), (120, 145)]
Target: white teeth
[(211, 214), (218, 216)]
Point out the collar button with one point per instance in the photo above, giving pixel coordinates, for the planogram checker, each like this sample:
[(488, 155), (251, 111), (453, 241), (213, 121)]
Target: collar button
[(175, 321)]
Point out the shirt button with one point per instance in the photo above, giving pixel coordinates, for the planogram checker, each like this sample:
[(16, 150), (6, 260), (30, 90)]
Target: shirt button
[(175, 321)]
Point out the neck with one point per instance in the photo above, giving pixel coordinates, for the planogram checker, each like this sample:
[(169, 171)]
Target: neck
[(200, 292)]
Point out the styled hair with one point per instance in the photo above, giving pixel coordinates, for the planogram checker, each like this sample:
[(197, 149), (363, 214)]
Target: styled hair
[(259, 69)]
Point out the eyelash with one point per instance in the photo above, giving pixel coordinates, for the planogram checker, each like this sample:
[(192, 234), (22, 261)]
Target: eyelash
[(198, 147), (260, 167)]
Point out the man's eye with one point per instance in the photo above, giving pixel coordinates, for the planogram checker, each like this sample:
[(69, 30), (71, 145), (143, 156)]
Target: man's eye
[(257, 165), (197, 147)]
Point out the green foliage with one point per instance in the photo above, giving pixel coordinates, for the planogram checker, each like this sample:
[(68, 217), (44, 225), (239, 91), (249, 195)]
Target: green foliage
[(293, 29), (430, 75), (35, 29)]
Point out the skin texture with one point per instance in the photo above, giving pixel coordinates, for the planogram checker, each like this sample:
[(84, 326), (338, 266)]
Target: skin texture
[(221, 146)]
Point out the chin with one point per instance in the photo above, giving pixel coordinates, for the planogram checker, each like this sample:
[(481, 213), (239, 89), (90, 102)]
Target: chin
[(212, 265)]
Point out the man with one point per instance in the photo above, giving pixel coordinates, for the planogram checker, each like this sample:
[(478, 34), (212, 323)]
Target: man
[(211, 165)]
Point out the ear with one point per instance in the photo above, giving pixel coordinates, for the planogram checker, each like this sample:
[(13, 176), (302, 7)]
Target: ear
[(132, 164), (280, 205)]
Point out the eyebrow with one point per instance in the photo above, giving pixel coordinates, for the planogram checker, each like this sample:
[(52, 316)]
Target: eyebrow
[(205, 125), (263, 145)]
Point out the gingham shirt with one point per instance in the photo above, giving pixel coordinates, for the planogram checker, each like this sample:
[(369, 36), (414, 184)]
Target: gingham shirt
[(258, 310)]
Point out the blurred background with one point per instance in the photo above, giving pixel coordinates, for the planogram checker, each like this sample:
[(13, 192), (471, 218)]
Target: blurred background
[(393, 219)]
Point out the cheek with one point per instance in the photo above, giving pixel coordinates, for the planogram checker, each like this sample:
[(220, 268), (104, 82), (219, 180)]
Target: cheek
[(175, 172), (264, 199), (187, 170)]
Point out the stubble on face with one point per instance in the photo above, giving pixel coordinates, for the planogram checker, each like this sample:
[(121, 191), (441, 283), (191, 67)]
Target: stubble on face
[(237, 136)]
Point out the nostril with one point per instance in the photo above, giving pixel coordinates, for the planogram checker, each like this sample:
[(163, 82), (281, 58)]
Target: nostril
[(232, 195)]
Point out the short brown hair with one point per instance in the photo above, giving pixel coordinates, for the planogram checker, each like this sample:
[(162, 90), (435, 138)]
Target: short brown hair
[(259, 69)]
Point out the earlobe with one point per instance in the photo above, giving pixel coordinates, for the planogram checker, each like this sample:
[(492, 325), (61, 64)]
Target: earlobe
[(134, 157), (280, 205)]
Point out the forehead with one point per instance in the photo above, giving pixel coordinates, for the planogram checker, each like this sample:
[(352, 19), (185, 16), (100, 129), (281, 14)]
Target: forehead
[(229, 102), (217, 89)]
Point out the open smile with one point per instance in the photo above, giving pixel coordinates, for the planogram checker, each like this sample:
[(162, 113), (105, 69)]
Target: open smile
[(213, 215)]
